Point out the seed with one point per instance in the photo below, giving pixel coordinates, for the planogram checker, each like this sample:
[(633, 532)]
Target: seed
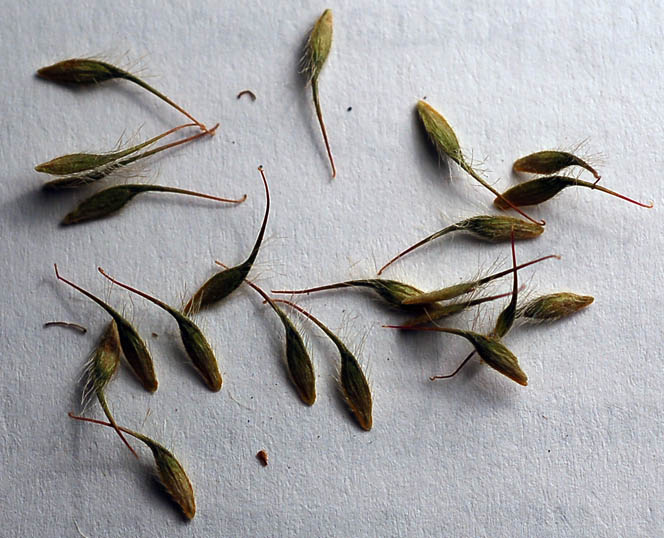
[(197, 347), (490, 348), (317, 51), (112, 199), (447, 144), (352, 380), (85, 71), (391, 291), (298, 361), (541, 189), (75, 163), (172, 475), (102, 367), (87, 177), (227, 281), (494, 228), (554, 306), (508, 315), (133, 347), (550, 162)]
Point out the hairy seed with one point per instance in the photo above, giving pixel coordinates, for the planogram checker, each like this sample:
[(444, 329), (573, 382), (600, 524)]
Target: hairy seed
[(551, 161), (171, 473), (133, 347), (101, 369), (317, 51), (111, 200), (447, 144), (86, 71), (508, 315), (227, 281), (75, 163), (195, 344), (541, 189), (85, 178), (554, 306), (352, 380), (299, 363), (494, 228)]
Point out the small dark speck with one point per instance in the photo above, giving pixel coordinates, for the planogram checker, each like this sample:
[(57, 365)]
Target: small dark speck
[(549, 451), (425, 97), (349, 109), (233, 142), (154, 335)]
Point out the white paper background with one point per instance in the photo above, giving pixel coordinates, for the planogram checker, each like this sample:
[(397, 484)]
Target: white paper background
[(576, 453)]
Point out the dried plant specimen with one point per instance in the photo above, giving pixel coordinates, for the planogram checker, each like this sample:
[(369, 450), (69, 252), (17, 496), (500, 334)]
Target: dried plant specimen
[(493, 228), (554, 306), (112, 199), (90, 176), (317, 51), (227, 281), (196, 345), (262, 457), (541, 189), (101, 369), (352, 380), (171, 473), (133, 346), (75, 163), (447, 144), (87, 71), (550, 162), (299, 363), (74, 326)]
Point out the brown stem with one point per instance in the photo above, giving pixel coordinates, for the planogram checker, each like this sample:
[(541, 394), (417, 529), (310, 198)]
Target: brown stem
[(319, 113)]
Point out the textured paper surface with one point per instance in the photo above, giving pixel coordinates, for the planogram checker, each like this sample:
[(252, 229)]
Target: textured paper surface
[(576, 453)]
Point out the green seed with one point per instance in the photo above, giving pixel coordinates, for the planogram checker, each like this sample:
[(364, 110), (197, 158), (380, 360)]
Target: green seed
[(112, 199), (197, 347), (541, 189), (85, 71), (171, 473), (101, 369), (227, 281), (75, 163), (298, 361), (550, 162), (490, 348), (317, 51), (447, 144), (133, 347), (352, 380), (87, 177), (451, 292), (554, 306), (494, 228)]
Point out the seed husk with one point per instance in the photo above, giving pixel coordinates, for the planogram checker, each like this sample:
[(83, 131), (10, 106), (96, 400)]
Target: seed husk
[(494, 228), (490, 348), (102, 368), (196, 345), (112, 199), (299, 363), (447, 144), (541, 189), (87, 71), (352, 380), (133, 346), (551, 161), (75, 163), (85, 178), (508, 315), (171, 473), (451, 292), (554, 306), (262, 457), (317, 50), (227, 281)]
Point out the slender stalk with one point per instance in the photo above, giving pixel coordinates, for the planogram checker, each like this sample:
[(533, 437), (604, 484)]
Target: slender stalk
[(582, 183), (319, 113)]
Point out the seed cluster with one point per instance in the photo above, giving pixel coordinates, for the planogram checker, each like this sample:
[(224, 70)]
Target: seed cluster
[(421, 308)]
